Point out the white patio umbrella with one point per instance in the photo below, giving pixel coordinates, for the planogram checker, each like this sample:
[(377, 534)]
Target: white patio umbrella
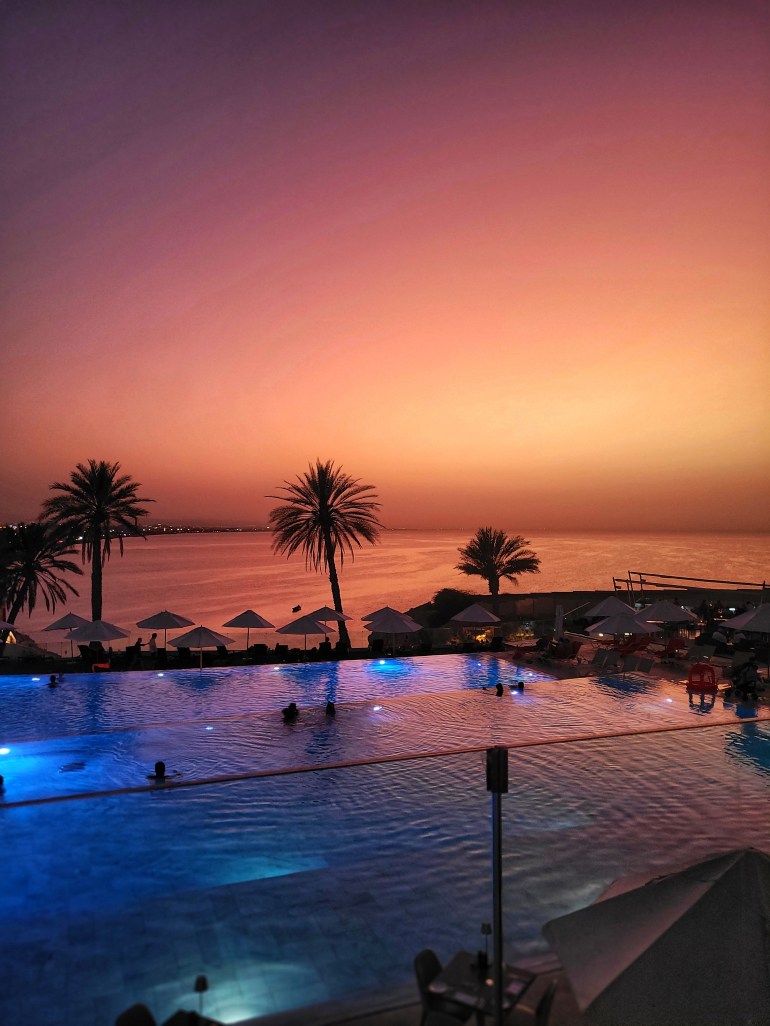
[(608, 606), (67, 622), (326, 613), (248, 619), (96, 630), (379, 612), (683, 948), (666, 611), (392, 622), (200, 638), (475, 616), (305, 625), (756, 620), (164, 621), (623, 623)]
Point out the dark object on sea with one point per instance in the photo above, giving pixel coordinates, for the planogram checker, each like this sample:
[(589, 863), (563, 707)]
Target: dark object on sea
[(331, 709), (290, 713)]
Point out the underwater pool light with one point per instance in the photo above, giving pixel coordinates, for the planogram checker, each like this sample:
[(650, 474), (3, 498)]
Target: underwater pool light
[(382, 662), (35, 678), (376, 708), (161, 675), (5, 751), (669, 699), (209, 728)]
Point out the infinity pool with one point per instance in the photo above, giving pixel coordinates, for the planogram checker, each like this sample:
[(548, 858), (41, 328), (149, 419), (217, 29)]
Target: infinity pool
[(290, 890)]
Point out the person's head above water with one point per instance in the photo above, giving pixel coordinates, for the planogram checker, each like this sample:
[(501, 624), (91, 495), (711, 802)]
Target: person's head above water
[(53, 682), (160, 770)]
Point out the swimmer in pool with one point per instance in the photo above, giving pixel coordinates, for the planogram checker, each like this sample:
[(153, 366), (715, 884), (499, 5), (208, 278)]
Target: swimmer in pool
[(53, 682), (160, 776)]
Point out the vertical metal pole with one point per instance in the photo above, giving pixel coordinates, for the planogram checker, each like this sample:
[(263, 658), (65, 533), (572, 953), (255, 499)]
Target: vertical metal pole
[(497, 783), (497, 904)]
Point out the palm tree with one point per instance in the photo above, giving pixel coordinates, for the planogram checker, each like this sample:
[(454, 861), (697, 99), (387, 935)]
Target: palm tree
[(325, 512), (31, 561), (95, 506), (492, 554)]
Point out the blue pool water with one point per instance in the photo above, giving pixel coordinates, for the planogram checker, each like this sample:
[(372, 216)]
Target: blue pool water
[(292, 890)]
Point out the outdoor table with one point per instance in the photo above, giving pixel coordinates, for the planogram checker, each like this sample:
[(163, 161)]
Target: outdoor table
[(468, 982)]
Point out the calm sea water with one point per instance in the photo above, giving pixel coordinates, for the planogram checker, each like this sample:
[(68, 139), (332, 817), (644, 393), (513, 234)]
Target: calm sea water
[(212, 577)]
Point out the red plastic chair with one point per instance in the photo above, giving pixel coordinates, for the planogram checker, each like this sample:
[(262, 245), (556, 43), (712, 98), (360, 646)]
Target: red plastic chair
[(701, 677)]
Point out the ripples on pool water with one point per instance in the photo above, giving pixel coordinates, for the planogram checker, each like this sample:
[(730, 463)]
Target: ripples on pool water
[(292, 890)]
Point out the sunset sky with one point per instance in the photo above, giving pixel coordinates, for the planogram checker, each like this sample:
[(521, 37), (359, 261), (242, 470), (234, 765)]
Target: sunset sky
[(509, 262)]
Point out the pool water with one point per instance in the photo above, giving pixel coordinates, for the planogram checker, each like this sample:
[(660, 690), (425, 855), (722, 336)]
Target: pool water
[(290, 890)]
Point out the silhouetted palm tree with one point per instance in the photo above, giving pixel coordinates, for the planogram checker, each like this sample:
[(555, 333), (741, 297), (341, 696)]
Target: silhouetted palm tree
[(94, 507), (32, 559), (492, 554), (325, 512)]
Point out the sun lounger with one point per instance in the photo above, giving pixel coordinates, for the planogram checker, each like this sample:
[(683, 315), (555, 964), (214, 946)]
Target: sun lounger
[(701, 653), (603, 659)]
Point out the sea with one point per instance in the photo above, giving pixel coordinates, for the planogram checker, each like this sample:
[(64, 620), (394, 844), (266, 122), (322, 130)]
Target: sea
[(210, 578)]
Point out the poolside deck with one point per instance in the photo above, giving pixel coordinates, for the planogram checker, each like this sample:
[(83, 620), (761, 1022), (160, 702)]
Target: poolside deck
[(399, 1008)]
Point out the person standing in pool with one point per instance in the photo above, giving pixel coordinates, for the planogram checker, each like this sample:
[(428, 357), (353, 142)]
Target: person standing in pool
[(53, 682)]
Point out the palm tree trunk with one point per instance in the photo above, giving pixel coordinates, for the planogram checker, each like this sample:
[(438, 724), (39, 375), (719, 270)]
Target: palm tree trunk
[(335, 583), (96, 577), (494, 591)]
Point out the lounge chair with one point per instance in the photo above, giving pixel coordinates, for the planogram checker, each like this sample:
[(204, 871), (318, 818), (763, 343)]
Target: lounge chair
[(427, 966), (258, 653), (671, 650), (184, 657), (701, 653), (603, 659)]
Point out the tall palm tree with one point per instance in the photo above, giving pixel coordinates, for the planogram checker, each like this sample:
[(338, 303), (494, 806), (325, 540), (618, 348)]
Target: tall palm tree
[(325, 512), (95, 506), (493, 554), (32, 559)]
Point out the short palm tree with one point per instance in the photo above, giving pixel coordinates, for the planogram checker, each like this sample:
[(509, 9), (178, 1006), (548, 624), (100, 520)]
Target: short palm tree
[(32, 560), (325, 512), (493, 555), (96, 505)]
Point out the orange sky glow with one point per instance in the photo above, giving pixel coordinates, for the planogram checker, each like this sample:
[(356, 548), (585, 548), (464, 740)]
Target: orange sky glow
[(508, 262)]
